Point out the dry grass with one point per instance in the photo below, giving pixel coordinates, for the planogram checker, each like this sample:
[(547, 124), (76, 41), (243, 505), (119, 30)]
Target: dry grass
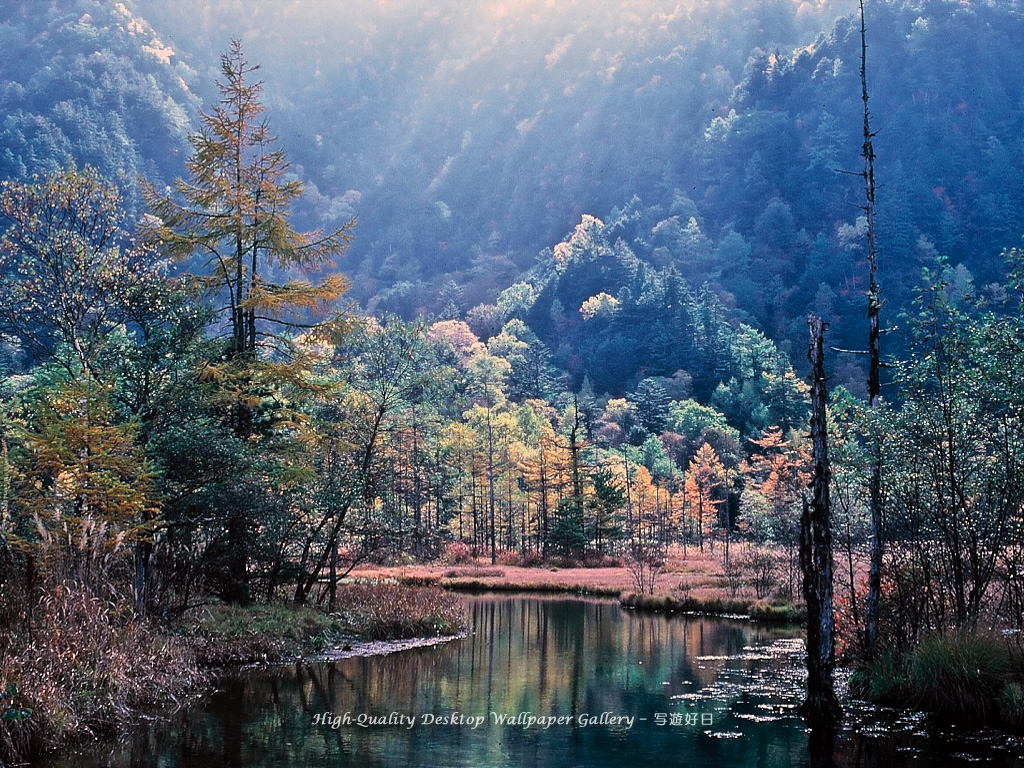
[(698, 576), (547, 579), (86, 667), (389, 611), (229, 635), (475, 573)]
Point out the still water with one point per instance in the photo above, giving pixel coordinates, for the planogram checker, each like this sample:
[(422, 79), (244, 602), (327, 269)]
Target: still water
[(604, 686)]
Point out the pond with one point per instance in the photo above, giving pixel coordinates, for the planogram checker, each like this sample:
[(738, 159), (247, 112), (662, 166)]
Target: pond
[(542, 681)]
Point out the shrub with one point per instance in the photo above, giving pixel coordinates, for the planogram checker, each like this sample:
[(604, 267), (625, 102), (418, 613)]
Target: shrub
[(482, 573), (884, 680), (780, 610), (599, 560), (763, 567), (457, 553), (508, 557), (532, 559), (385, 611)]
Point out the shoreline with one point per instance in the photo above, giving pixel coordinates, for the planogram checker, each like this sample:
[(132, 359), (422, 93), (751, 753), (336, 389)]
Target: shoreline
[(693, 586), (370, 648)]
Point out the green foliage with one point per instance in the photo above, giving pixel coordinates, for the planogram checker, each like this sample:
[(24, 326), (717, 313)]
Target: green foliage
[(1011, 705), (568, 537), (281, 455), (652, 405), (230, 634), (69, 271), (605, 505), (11, 708), (953, 449), (960, 676)]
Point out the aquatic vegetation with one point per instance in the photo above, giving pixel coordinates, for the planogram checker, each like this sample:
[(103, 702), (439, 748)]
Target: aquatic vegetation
[(963, 677)]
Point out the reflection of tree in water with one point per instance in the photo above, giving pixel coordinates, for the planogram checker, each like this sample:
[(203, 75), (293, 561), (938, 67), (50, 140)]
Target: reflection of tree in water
[(547, 656)]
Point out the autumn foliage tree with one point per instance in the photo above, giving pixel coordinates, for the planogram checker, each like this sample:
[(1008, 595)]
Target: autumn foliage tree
[(88, 303), (86, 493), (69, 269), (777, 476), (232, 215), (704, 487)]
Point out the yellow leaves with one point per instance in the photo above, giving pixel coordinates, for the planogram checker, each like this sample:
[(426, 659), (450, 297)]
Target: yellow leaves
[(601, 305), (297, 294), (456, 333), (705, 487), (586, 236), (562, 255), (233, 212), (84, 483)]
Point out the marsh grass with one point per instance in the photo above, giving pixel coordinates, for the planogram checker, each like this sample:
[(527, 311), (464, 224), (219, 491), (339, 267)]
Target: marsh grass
[(86, 667), (387, 611), (759, 610), (375, 610), (223, 635), (960, 676), (964, 677)]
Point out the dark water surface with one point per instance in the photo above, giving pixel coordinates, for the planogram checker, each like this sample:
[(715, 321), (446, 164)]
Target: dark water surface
[(630, 689)]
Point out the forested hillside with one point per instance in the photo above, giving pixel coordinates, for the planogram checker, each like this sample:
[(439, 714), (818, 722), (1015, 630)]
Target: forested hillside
[(711, 138), (91, 82)]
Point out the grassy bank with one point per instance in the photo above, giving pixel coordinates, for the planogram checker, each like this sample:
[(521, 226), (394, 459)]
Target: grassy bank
[(609, 582), (759, 610), (223, 634), (85, 666), (972, 679), (81, 666)]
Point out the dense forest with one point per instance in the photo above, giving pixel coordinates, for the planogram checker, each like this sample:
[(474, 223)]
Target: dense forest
[(527, 283)]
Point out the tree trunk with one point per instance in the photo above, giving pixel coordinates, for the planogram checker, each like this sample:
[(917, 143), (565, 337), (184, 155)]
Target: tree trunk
[(871, 608), (821, 705), (143, 576)]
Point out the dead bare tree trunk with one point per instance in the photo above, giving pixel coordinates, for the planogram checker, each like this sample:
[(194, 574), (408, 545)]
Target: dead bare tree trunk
[(871, 610), (821, 705)]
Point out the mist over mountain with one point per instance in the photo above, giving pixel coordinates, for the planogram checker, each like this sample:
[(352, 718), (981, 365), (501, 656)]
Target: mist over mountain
[(469, 137), (707, 138)]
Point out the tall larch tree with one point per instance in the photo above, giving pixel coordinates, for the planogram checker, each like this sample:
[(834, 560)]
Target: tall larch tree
[(232, 215), (233, 212)]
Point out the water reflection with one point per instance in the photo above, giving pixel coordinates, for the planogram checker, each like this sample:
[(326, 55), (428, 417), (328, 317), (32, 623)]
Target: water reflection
[(631, 689)]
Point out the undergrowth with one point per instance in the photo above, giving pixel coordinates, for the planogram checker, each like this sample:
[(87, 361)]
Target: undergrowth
[(83, 667), (965, 677)]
